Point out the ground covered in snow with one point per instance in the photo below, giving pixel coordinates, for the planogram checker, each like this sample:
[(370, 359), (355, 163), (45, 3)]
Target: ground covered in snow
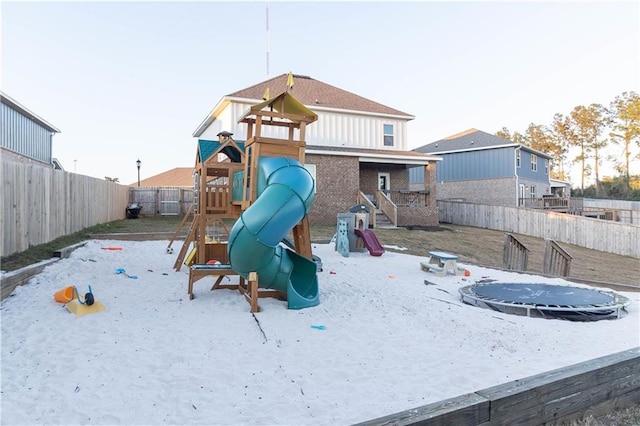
[(379, 342)]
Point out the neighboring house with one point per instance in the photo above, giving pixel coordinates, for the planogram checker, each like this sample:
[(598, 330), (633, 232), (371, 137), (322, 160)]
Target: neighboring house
[(355, 148), (560, 188), (484, 168), (24, 136), (179, 177)]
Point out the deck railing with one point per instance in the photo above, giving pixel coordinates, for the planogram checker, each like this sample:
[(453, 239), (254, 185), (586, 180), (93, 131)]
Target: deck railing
[(387, 207), (575, 205), (389, 201), (552, 203), (363, 199), (408, 198)]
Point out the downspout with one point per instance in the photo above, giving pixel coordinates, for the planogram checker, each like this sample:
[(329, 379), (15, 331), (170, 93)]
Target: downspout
[(515, 173)]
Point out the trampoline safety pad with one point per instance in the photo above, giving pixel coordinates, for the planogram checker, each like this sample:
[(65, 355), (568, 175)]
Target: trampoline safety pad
[(546, 300)]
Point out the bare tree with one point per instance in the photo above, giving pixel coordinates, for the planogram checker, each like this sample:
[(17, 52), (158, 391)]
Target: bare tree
[(589, 124), (625, 117)]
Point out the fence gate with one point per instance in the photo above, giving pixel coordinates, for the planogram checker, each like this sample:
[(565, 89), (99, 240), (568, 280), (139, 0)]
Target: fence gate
[(169, 201), (163, 201)]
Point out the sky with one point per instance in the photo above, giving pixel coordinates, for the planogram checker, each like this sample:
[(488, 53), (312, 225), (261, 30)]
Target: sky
[(133, 80)]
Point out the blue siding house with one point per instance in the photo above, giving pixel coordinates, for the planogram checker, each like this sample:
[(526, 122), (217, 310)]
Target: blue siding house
[(24, 136), (484, 168)]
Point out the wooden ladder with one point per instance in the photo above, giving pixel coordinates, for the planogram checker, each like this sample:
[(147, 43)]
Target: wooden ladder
[(180, 226), (190, 238)]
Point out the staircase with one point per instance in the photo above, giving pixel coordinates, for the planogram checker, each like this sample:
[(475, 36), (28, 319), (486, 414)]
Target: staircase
[(382, 221)]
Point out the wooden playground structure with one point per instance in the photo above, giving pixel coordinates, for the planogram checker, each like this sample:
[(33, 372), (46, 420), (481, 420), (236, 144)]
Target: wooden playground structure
[(226, 175)]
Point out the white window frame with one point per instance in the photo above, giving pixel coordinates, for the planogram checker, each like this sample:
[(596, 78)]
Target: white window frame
[(532, 191), (386, 134), (387, 181), (518, 159), (546, 166), (534, 163)]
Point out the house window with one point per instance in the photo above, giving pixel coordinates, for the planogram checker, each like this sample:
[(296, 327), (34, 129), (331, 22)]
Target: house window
[(311, 168), (534, 163), (546, 166), (388, 135), (533, 192), (517, 158)]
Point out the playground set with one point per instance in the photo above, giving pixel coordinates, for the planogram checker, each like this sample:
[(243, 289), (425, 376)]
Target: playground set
[(353, 233), (262, 185)]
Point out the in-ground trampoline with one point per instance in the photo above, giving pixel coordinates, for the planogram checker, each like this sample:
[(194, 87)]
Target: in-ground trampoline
[(546, 300)]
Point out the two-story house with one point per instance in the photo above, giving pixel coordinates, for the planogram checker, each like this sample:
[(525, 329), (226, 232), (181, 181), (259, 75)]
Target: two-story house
[(357, 149), (24, 136), (484, 168)]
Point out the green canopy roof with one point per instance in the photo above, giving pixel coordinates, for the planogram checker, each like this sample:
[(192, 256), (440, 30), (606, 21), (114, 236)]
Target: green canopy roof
[(206, 149)]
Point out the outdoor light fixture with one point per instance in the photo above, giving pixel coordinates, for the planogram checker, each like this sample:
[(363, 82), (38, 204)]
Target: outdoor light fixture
[(138, 164)]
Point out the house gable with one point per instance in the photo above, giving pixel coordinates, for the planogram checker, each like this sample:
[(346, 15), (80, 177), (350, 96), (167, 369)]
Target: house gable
[(344, 118)]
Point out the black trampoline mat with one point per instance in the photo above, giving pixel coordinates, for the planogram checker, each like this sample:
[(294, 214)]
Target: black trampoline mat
[(542, 294)]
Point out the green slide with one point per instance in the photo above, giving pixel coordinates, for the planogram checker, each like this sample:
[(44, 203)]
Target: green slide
[(285, 192)]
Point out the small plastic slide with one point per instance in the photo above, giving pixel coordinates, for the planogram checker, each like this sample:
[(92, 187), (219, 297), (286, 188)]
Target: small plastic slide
[(285, 192), (370, 242)]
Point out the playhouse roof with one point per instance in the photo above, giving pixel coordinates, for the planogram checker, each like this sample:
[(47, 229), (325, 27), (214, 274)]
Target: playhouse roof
[(207, 148), (285, 104)]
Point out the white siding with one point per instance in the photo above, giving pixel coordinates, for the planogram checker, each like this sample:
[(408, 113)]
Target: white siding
[(332, 129), (355, 131), (24, 136)]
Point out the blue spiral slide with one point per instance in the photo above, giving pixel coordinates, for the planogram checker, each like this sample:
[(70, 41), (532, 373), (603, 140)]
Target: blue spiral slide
[(285, 192)]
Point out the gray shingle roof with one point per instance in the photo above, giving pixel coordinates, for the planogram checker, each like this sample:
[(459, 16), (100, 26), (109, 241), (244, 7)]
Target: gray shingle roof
[(471, 139), (311, 92)]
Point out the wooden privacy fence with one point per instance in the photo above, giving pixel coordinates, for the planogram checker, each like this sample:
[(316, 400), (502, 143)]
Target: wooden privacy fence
[(162, 200), (622, 210), (40, 204), (603, 235)]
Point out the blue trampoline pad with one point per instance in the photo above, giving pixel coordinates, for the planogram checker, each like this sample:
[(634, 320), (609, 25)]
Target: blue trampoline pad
[(543, 294)]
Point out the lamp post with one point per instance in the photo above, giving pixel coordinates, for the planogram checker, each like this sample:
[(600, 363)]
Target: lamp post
[(138, 164)]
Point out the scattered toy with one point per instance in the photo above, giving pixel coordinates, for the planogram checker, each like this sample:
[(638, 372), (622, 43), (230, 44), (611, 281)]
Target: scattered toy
[(123, 272)]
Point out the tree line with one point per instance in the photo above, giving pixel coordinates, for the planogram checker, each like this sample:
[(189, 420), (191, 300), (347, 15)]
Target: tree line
[(590, 131)]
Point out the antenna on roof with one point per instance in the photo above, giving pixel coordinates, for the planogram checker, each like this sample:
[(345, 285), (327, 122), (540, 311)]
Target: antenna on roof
[(267, 15)]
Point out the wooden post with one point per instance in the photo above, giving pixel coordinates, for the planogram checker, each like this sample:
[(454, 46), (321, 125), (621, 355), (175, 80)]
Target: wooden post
[(303, 126), (253, 291), (202, 222), (302, 238)]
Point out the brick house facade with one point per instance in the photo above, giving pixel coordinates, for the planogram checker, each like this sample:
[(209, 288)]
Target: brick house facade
[(356, 146)]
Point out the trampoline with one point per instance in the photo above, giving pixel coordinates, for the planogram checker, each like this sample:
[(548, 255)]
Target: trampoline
[(546, 300)]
